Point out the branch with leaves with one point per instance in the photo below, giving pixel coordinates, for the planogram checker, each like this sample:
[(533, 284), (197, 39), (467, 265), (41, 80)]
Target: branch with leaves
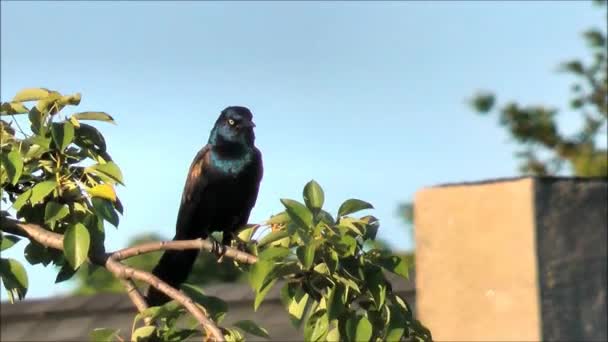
[(60, 183), (535, 127)]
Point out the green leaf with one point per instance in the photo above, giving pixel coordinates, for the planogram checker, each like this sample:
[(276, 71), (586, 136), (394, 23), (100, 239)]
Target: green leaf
[(66, 272), (109, 169), (333, 335), (316, 326), (104, 209), (396, 326), (260, 295), (280, 218), (359, 329), (306, 254), (142, 333), (73, 100), (346, 245), (88, 136), (294, 299), (8, 241), (214, 305), (22, 199), (41, 190), (11, 108), (63, 134), (348, 283), (376, 284), (353, 205), (76, 243), (313, 196), (331, 259), (14, 277), (55, 211), (273, 253), (246, 233), (31, 94), (258, 274), (99, 116), (326, 217), (13, 164), (252, 328), (103, 335), (335, 302), (36, 253), (105, 191), (397, 264), (298, 213), (272, 237)]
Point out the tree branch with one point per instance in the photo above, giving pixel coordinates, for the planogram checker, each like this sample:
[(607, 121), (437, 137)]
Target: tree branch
[(111, 262), (148, 247)]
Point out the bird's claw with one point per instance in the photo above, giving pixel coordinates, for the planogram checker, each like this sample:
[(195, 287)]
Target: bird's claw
[(218, 249)]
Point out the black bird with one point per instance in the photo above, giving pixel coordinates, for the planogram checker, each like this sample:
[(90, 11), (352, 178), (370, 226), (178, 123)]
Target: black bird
[(221, 189)]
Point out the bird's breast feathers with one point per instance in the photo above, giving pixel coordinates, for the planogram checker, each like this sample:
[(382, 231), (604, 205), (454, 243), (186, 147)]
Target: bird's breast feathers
[(231, 166)]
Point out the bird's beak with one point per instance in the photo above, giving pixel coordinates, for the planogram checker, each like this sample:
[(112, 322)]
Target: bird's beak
[(249, 124)]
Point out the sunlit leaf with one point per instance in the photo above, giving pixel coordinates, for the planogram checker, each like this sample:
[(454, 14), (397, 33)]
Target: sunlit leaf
[(99, 116), (272, 253), (105, 191), (258, 273), (294, 299), (272, 237), (41, 190), (109, 169), (31, 94), (76, 244)]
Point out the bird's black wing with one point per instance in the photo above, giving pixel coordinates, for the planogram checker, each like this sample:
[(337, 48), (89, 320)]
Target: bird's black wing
[(189, 209), (175, 266)]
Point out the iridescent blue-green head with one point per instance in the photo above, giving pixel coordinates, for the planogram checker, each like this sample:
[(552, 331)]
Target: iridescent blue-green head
[(234, 128)]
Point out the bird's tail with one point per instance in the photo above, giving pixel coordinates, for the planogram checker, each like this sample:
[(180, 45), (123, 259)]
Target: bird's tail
[(173, 268)]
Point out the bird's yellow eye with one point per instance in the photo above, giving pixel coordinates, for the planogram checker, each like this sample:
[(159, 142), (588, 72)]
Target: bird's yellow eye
[(231, 122)]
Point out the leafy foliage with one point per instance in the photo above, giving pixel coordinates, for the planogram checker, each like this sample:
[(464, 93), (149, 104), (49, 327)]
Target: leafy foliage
[(54, 176), (536, 128), (330, 269)]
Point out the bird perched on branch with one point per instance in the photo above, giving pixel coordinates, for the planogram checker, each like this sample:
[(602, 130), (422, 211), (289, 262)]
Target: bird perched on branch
[(221, 189)]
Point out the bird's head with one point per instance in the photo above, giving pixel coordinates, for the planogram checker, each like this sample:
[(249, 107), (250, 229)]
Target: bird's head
[(233, 127)]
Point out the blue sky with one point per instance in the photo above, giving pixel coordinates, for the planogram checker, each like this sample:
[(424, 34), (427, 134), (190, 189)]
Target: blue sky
[(369, 99)]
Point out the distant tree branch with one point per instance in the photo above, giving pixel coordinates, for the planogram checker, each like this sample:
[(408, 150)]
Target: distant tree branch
[(111, 261)]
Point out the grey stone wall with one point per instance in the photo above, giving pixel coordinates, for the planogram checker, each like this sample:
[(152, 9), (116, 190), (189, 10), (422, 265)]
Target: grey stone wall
[(572, 230)]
